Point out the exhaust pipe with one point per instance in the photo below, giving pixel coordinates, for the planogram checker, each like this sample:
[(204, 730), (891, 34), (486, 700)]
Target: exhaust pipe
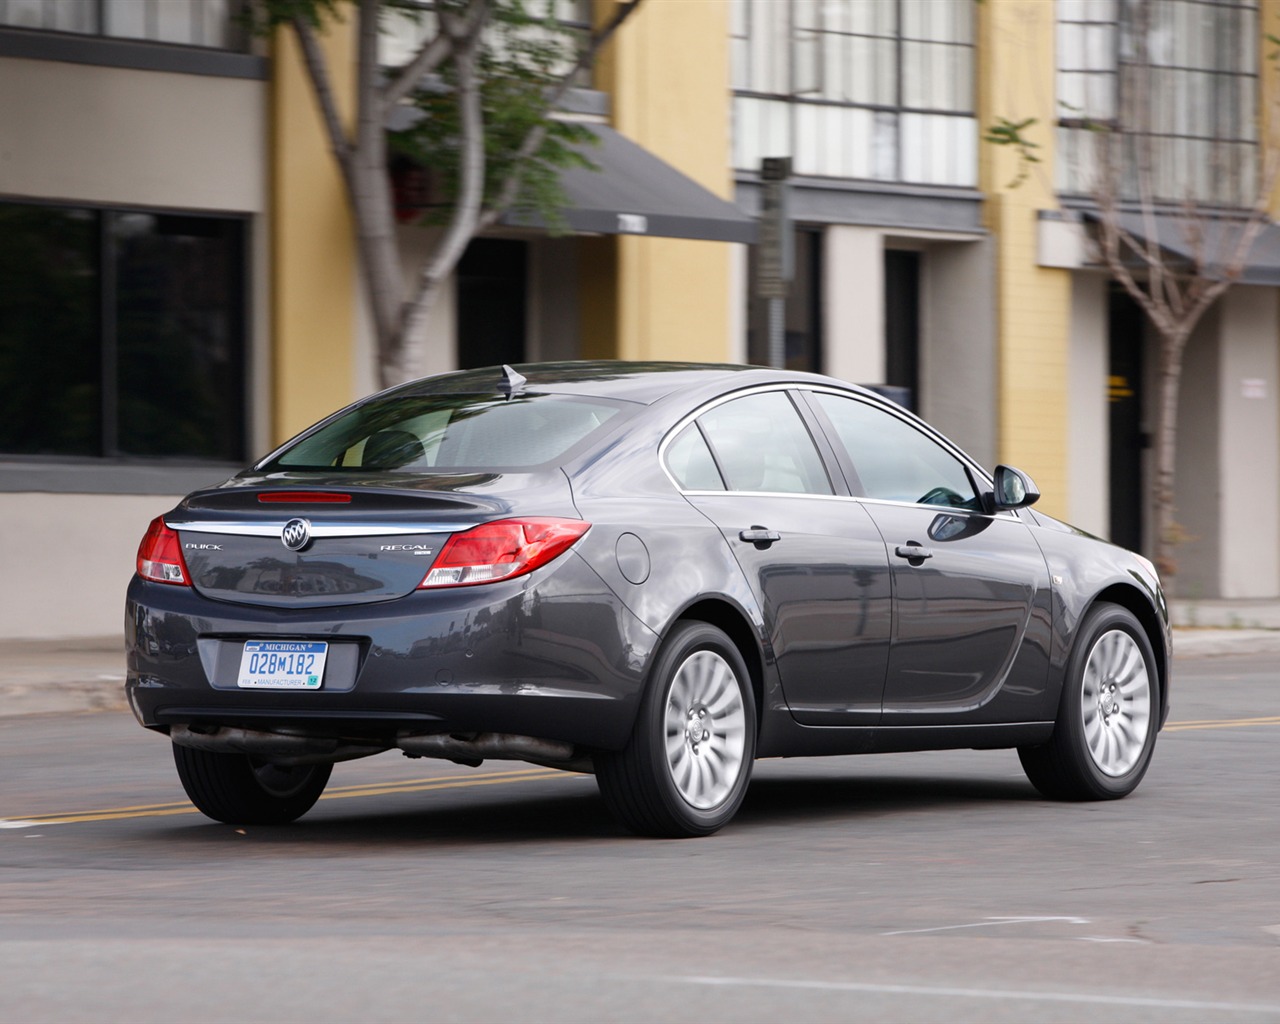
[(278, 747), (471, 749)]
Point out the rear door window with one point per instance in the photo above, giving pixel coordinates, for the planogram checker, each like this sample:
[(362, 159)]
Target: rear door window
[(761, 444), (690, 462)]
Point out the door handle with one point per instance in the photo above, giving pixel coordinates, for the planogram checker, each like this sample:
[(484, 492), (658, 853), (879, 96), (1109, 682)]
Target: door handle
[(759, 536), (913, 553)]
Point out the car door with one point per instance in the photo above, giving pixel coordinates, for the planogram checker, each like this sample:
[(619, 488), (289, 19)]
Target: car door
[(814, 560), (971, 597)]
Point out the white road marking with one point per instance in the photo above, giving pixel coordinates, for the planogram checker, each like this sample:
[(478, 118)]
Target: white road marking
[(990, 922), (7, 823), (987, 993)]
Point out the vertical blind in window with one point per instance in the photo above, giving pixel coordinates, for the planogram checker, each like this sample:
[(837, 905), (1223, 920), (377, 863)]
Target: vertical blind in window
[(869, 89), (1178, 79)]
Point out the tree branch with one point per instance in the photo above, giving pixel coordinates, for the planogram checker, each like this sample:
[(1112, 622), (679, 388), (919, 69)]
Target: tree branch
[(371, 112), (510, 186), (463, 224), (313, 59), (434, 52)]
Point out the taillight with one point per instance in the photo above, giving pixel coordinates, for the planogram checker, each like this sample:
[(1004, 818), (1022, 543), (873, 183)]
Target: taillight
[(501, 550), (160, 556)]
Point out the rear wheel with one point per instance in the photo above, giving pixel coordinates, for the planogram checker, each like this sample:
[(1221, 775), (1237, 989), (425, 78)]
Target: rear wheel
[(1107, 718), (244, 790), (685, 770)]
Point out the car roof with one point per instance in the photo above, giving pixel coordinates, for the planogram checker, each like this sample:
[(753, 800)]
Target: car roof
[(640, 382)]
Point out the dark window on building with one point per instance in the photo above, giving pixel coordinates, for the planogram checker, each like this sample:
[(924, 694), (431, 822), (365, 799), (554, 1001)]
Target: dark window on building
[(1126, 329), (121, 334), (902, 323), (492, 282)]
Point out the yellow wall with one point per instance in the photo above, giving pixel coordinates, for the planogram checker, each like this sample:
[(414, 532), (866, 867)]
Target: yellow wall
[(1016, 81), (667, 70), (313, 249)]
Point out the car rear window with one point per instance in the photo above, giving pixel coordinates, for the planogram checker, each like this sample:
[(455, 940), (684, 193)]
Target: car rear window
[(421, 433)]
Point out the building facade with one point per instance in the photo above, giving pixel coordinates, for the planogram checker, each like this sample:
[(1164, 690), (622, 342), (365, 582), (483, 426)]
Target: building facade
[(179, 289)]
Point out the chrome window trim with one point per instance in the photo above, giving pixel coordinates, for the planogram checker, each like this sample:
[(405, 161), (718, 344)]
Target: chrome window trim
[(273, 528), (1005, 513), (872, 400)]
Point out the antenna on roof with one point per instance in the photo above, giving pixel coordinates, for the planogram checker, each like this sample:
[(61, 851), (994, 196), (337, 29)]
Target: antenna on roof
[(512, 383)]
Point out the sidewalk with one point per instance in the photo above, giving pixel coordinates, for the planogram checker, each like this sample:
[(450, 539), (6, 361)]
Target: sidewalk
[(39, 677)]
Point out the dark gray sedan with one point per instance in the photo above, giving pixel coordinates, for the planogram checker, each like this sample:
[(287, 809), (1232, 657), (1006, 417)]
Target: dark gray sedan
[(654, 572)]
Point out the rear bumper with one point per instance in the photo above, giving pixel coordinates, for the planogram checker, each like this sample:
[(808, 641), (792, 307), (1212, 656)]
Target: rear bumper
[(553, 655)]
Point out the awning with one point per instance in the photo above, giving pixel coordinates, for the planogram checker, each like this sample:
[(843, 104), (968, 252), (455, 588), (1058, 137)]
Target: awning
[(1217, 248), (633, 192)]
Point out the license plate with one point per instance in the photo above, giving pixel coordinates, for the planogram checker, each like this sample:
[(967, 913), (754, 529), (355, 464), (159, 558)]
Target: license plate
[(282, 664)]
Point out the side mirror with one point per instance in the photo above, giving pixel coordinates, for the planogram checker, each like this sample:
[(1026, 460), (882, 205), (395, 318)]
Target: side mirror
[(1013, 489)]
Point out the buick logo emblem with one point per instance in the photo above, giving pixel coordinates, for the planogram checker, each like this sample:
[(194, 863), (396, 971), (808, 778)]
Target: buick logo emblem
[(296, 534)]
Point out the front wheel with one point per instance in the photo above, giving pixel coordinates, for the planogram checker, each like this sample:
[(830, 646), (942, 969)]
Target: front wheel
[(1108, 716), (685, 770), (243, 790)]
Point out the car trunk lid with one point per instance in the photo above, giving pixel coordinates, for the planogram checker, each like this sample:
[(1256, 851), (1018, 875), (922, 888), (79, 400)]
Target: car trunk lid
[(308, 541)]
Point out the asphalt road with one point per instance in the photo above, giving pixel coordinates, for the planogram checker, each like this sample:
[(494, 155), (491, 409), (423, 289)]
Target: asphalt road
[(894, 887)]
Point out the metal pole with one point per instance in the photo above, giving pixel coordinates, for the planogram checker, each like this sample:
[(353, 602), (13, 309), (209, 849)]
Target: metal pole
[(778, 333), (775, 257)]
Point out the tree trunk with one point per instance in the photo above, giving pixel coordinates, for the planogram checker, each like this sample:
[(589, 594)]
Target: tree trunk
[(411, 327), (1167, 532)]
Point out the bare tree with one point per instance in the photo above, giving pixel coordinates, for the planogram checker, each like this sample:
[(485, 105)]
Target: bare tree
[(484, 85), (1175, 280), (1174, 255)]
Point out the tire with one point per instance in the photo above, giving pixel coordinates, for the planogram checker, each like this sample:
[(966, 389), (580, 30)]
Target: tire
[(1108, 715), (674, 780), (243, 790)]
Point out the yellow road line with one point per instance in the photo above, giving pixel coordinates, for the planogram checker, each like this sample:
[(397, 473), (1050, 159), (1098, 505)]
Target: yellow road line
[(335, 793), (462, 782), (1222, 723)]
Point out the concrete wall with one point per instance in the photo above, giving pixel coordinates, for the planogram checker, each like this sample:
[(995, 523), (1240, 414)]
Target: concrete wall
[(78, 133), (1197, 485), (1228, 466), (1088, 495), (73, 556), (957, 345), (957, 326), (853, 303), (1249, 439), (83, 133)]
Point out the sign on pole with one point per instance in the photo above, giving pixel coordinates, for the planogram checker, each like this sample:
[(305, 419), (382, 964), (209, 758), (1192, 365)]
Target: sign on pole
[(775, 253)]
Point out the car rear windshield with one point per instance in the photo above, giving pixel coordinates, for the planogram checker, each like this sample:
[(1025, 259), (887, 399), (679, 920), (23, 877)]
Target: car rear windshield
[(421, 433)]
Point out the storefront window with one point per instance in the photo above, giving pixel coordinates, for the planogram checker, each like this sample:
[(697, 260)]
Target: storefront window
[(1177, 79), (212, 23), (862, 89), (121, 334)]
